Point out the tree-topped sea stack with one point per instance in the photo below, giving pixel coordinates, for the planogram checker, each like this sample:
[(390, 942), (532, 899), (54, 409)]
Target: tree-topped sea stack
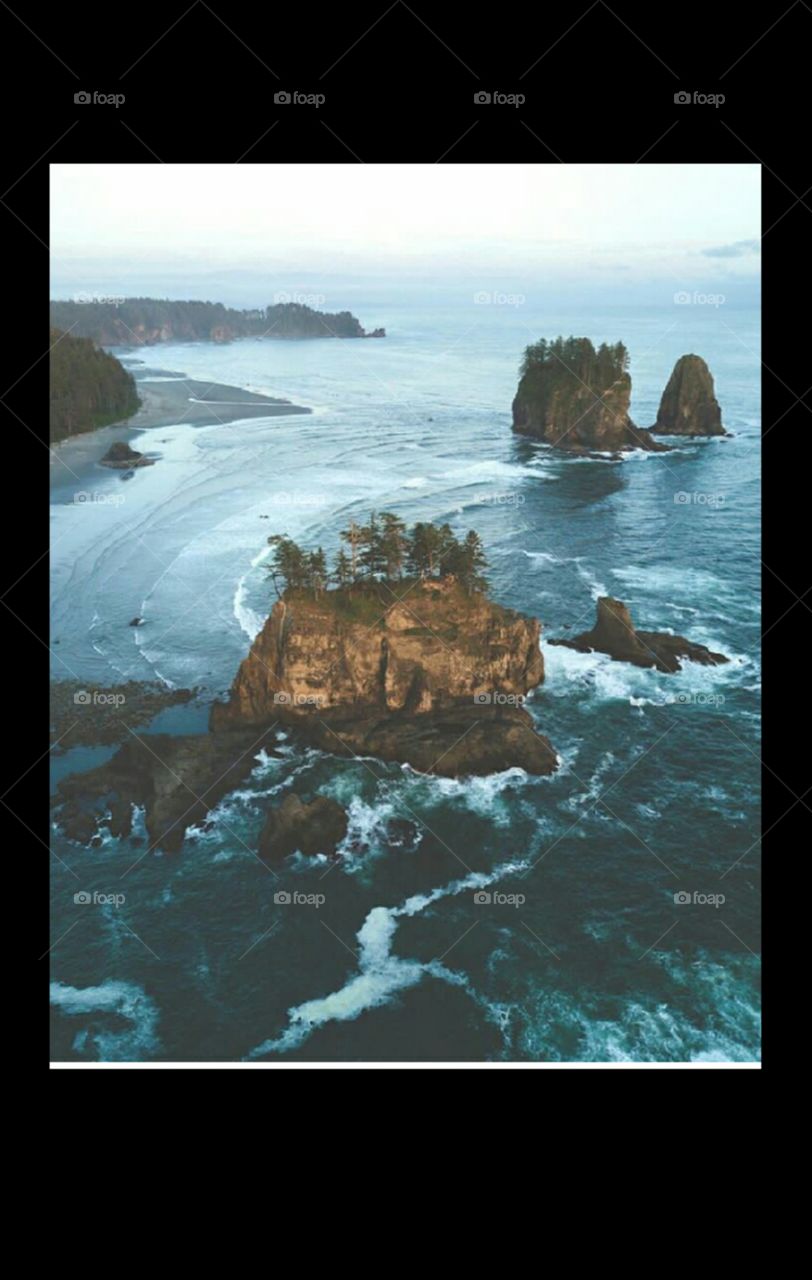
[(575, 397), (405, 659), (689, 406)]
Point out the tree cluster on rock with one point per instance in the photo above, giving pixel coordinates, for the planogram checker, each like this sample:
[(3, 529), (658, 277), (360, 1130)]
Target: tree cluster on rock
[(382, 550)]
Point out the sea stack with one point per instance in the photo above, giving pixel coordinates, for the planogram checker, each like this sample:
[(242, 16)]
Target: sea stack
[(689, 406), (615, 634), (437, 681), (574, 397)]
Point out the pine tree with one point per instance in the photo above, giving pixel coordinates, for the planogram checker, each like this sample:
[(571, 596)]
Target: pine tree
[(342, 574), (470, 562), (372, 559), (317, 572), (394, 544), (289, 562), (423, 549), (354, 536)]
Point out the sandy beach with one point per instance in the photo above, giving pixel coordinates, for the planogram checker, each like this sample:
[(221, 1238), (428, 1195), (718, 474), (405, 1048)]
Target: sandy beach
[(165, 401)]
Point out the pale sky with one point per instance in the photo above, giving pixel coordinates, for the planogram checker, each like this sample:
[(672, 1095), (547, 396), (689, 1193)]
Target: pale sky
[(365, 217)]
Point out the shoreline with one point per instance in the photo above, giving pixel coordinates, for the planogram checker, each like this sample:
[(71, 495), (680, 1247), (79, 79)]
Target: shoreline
[(169, 403)]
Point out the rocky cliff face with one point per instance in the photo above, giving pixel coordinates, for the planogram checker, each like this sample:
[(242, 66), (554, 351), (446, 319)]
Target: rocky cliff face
[(359, 672), (580, 415), (689, 406)]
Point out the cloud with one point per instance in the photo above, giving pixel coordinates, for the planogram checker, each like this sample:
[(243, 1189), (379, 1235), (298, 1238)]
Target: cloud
[(739, 249)]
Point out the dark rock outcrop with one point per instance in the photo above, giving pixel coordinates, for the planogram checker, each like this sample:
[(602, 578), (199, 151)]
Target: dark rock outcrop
[(614, 633), (317, 827), (576, 398), (177, 780), (121, 457), (435, 680), (689, 406)]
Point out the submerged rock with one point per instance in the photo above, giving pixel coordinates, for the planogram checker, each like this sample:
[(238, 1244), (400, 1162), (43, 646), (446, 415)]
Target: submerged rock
[(614, 633), (317, 827), (689, 406), (576, 398)]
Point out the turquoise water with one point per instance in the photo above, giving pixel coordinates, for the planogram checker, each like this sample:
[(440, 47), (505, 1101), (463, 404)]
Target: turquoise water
[(582, 953)]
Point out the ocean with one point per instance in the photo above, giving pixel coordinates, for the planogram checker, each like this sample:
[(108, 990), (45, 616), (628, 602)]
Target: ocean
[(607, 913)]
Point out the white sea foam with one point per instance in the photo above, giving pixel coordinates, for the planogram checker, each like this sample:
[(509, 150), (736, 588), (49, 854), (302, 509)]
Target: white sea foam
[(125, 1000), (381, 974), (248, 618)]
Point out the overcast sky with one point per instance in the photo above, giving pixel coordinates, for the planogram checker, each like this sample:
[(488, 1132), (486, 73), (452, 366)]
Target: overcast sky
[(365, 218)]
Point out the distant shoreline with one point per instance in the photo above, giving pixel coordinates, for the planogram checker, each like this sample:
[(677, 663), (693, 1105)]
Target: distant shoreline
[(164, 404)]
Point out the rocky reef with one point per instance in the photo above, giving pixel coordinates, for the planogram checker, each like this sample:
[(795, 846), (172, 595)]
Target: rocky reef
[(435, 679), (176, 780), (574, 397), (689, 406), (614, 633)]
